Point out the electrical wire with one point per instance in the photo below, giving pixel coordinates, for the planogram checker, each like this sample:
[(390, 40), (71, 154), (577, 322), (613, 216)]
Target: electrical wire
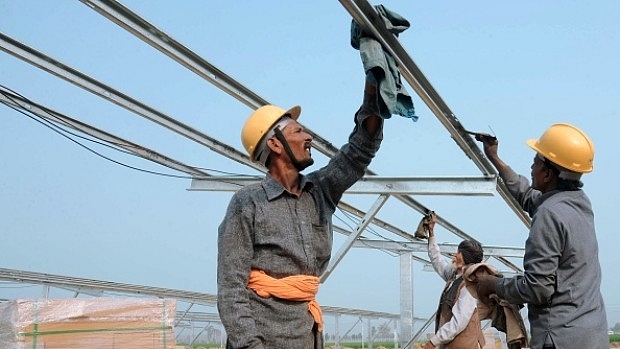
[(368, 228), (68, 134)]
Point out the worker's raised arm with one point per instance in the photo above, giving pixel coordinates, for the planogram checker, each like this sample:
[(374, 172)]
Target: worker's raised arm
[(490, 146)]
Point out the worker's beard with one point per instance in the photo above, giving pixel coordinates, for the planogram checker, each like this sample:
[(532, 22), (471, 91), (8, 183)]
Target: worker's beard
[(454, 264), (303, 164)]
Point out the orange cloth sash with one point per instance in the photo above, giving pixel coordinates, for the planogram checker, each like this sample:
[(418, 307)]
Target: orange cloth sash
[(293, 288)]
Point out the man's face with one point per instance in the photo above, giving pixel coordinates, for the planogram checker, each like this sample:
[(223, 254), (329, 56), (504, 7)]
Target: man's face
[(457, 260), (299, 141), (539, 173)]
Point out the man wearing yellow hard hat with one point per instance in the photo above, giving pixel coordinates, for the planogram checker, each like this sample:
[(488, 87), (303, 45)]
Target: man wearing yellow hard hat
[(562, 274), (276, 238)]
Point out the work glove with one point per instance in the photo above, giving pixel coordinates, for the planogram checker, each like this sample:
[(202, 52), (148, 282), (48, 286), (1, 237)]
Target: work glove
[(426, 226)]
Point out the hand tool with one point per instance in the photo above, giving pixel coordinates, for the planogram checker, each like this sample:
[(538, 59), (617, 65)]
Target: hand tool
[(481, 135)]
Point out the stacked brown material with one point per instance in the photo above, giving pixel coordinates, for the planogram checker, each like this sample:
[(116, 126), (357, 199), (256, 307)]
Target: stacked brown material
[(102, 323)]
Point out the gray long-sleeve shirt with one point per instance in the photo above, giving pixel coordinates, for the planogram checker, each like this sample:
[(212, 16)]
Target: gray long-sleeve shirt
[(562, 274), (267, 228)]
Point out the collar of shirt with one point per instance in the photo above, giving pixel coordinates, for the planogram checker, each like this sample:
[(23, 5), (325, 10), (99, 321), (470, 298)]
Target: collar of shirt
[(539, 200), (274, 189)]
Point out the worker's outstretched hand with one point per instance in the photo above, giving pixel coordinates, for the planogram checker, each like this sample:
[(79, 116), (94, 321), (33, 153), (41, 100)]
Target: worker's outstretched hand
[(431, 219), (489, 143)]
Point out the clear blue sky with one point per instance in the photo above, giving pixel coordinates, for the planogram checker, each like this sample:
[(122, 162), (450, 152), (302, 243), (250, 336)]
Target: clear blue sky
[(515, 68)]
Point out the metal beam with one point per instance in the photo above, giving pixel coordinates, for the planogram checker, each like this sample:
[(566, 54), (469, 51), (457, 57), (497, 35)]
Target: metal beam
[(57, 68), (74, 283), (18, 102), (470, 186), (81, 80), (132, 22), (78, 284), (86, 82), (406, 296), (122, 16), (422, 246), (181, 55), (366, 16), (344, 248), (155, 37)]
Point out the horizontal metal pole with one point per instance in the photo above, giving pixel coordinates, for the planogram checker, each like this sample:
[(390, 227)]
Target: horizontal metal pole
[(78, 284), (422, 246), (374, 185), (21, 103)]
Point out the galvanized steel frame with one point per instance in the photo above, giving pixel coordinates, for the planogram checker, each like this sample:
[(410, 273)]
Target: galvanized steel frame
[(363, 13)]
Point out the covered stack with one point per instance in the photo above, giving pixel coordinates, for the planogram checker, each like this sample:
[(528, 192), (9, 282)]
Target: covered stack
[(102, 323)]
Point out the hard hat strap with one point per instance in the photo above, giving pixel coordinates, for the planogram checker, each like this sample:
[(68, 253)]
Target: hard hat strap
[(262, 151), (298, 165)]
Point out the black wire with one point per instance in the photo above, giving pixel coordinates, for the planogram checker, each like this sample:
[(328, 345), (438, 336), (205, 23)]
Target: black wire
[(64, 132), (368, 228)]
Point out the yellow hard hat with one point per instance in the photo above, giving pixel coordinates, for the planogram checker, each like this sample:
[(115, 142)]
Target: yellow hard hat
[(260, 122), (567, 146)]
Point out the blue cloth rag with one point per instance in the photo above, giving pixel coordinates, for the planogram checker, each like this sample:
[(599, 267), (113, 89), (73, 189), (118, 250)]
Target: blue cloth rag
[(392, 91)]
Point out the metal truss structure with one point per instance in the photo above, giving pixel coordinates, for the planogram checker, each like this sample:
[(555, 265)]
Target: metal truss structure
[(400, 188)]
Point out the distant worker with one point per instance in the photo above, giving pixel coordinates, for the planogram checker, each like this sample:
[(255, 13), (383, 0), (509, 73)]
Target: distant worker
[(562, 274), (457, 323), (276, 238)]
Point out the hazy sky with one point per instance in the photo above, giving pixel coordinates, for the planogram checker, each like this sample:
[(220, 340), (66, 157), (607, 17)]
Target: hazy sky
[(513, 68)]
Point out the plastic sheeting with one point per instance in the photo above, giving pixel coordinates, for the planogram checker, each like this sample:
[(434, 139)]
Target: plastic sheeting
[(102, 323)]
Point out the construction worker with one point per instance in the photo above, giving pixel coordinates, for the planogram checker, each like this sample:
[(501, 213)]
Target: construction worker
[(276, 238), (562, 274), (457, 323)]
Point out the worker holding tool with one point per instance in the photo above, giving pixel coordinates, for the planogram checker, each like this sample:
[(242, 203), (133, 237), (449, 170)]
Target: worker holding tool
[(562, 274), (276, 238), (457, 322)]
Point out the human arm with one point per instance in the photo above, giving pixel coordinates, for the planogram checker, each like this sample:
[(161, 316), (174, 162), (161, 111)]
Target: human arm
[(543, 249), (233, 269), (369, 114), (440, 264), (349, 164), (518, 186), (490, 145)]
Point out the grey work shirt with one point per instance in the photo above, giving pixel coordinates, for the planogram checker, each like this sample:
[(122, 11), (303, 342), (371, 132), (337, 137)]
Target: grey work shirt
[(268, 228), (562, 273)]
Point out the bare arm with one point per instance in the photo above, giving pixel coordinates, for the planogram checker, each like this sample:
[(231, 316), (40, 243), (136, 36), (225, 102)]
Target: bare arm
[(372, 124), (370, 107)]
